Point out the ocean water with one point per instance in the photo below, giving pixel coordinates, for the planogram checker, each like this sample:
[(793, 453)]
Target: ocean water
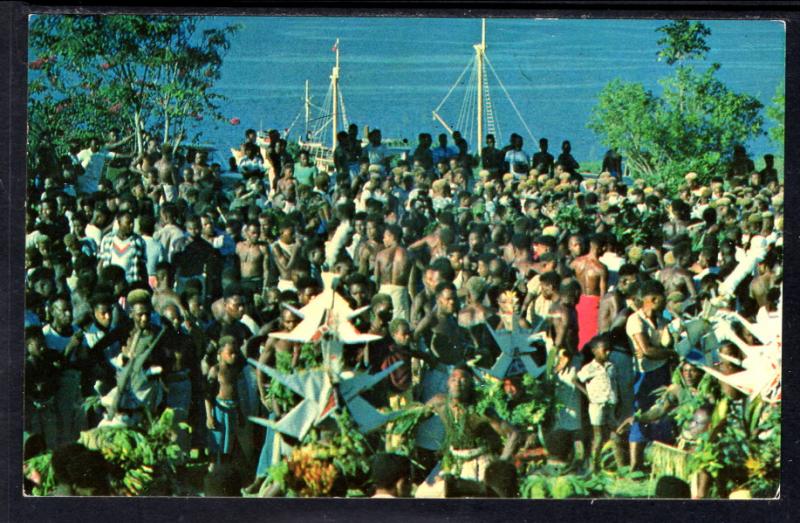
[(395, 71)]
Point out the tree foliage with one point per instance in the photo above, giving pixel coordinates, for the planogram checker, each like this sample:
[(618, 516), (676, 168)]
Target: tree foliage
[(692, 125), (140, 73), (683, 40), (777, 112)]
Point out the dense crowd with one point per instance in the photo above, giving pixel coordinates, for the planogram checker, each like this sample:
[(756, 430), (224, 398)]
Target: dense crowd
[(152, 278)]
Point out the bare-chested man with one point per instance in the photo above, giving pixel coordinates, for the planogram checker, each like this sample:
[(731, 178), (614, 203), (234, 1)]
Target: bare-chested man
[(253, 260), (457, 256), (563, 320), (424, 301), (222, 405), (436, 242), (592, 276), (392, 268), (761, 284), (168, 181), (286, 251), (547, 262), (676, 276), (575, 248), (368, 249), (517, 254), (475, 313), (611, 316), (163, 294), (269, 354), (200, 165)]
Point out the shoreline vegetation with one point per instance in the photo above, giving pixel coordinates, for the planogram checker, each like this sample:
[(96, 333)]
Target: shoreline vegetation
[(456, 323)]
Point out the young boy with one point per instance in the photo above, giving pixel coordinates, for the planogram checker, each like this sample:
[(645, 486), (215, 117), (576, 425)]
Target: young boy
[(597, 381), (222, 416)]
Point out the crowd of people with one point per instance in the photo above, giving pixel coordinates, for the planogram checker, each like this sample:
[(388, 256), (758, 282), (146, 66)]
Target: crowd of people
[(151, 278)]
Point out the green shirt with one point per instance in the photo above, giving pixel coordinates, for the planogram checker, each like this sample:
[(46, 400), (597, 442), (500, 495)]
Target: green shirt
[(305, 175)]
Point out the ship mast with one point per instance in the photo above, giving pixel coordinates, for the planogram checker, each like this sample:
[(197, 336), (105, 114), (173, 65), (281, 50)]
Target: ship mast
[(335, 88), (308, 108), (480, 50)]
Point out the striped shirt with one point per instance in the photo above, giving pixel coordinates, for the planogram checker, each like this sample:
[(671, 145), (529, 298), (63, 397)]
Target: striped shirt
[(130, 254)]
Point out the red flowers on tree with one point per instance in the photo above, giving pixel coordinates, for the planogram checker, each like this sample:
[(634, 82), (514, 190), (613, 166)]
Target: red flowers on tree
[(235, 121)]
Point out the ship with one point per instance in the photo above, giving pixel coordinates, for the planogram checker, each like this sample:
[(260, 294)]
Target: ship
[(477, 112), (322, 122)]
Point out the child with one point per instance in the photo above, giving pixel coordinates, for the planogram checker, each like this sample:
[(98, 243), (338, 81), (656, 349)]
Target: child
[(221, 401), (596, 379)]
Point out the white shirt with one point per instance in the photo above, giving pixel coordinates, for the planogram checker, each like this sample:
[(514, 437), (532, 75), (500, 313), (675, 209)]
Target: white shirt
[(92, 163), (517, 157), (638, 323), (599, 379), (94, 233)]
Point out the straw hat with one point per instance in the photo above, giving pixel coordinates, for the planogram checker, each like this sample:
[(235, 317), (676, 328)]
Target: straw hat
[(483, 173), (635, 253), (690, 176), (550, 230), (374, 168)]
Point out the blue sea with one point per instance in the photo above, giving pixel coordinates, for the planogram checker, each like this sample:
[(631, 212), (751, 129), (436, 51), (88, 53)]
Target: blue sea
[(395, 71)]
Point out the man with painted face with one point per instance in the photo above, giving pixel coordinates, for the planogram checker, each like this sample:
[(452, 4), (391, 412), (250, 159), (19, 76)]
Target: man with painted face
[(472, 438), (676, 394)]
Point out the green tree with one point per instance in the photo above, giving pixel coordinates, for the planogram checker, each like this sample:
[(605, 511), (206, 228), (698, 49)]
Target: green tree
[(683, 40), (692, 126), (140, 73), (776, 112)]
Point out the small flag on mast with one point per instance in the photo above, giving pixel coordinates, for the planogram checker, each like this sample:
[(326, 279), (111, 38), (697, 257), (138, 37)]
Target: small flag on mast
[(335, 46)]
